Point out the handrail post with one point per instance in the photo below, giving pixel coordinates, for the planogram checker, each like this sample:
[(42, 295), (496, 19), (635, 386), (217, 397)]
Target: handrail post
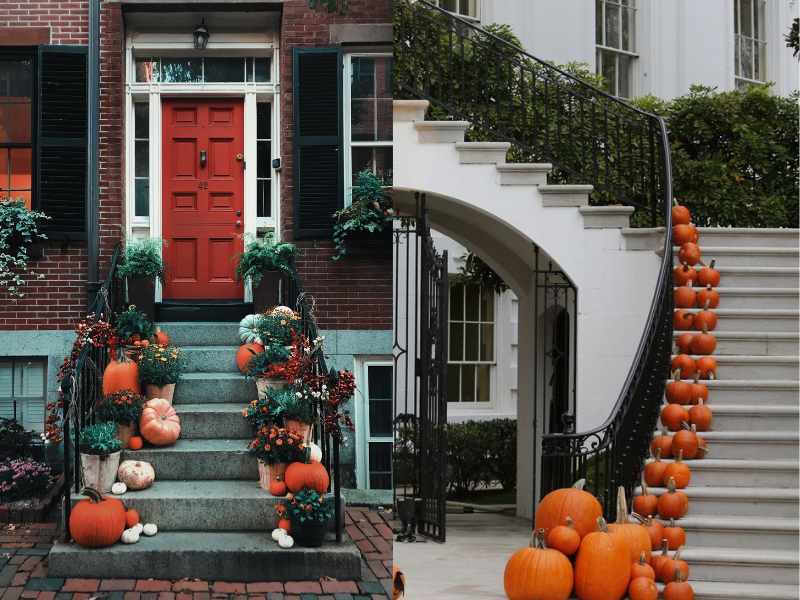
[(67, 490), (337, 489)]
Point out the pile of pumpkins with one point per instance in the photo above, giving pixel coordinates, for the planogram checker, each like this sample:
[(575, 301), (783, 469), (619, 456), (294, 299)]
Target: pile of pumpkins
[(99, 521), (573, 549), (298, 475)]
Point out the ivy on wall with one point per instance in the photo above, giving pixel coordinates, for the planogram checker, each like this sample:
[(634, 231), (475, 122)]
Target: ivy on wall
[(331, 5)]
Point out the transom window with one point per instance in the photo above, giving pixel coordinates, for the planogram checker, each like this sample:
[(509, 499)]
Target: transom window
[(750, 46), (615, 32), (471, 353), (16, 128), (199, 69)]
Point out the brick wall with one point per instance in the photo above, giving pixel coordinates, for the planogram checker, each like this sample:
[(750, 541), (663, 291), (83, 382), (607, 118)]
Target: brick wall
[(356, 292), (59, 300)]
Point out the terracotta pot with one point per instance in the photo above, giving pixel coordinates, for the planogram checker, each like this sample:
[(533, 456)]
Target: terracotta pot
[(266, 473), (304, 429), (99, 472), (160, 391), (125, 431), (263, 384)]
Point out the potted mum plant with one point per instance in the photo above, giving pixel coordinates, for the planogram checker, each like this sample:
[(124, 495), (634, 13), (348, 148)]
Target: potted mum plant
[(310, 515), (160, 368), (100, 451), (123, 408), (141, 265), (267, 264), (297, 409), (275, 331), (134, 330), (275, 447), (365, 227)]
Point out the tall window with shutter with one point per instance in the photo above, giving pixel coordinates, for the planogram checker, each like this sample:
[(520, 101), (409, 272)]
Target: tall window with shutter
[(318, 181)]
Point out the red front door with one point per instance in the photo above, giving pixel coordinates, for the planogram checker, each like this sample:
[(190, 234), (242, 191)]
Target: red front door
[(203, 197)]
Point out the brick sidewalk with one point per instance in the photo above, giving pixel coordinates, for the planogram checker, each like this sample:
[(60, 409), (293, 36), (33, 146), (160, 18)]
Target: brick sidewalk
[(23, 572)]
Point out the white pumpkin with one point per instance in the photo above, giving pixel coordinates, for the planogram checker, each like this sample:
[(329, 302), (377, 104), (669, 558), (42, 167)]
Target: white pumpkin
[(130, 536), (286, 541), (314, 452), (283, 310), (136, 474), (118, 488), (138, 528), (278, 533), (247, 329), (150, 529)]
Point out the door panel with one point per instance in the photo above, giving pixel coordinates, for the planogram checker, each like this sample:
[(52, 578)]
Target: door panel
[(203, 183)]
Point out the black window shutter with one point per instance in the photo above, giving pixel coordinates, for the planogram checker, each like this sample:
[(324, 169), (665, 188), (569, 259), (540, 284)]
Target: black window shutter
[(318, 179), (61, 140)]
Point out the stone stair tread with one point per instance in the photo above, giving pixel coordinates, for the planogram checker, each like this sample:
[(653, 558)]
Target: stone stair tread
[(774, 409), (751, 312), (752, 383), (212, 375), (191, 446), (709, 251), (737, 523), (735, 463), (723, 590), (209, 407), (751, 436), (759, 335), (217, 347), (755, 493), (794, 232), (752, 358), (244, 489), (692, 554), (743, 269)]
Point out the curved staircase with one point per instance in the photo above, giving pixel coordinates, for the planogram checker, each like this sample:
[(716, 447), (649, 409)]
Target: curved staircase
[(742, 527)]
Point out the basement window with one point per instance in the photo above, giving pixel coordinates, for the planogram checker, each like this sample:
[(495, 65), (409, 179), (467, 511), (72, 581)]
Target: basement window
[(22, 391)]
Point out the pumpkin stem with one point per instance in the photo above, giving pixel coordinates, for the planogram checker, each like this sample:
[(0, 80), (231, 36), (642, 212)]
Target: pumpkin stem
[(644, 486), (93, 495), (664, 547), (713, 262), (640, 518), (707, 302), (679, 575), (537, 539), (622, 506), (642, 559), (579, 485), (671, 485), (569, 522), (680, 456), (602, 525), (677, 554), (658, 454)]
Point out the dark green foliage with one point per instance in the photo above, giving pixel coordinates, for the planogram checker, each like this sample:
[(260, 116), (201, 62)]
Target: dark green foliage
[(276, 329), (330, 5), (124, 407), (100, 438), (309, 505), (15, 441), (274, 354), (265, 254), (476, 272), (793, 37), (369, 211), (142, 258), (161, 365), (131, 323), (19, 230)]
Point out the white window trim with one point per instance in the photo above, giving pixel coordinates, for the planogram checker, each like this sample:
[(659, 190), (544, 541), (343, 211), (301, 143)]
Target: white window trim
[(633, 80), (738, 37), (476, 18), (361, 410), (251, 92), (347, 126)]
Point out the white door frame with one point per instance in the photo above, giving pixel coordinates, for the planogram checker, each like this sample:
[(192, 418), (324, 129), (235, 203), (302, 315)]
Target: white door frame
[(361, 409)]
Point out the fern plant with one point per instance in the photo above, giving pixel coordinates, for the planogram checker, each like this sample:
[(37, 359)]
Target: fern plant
[(19, 230), (265, 255), (100, 439), (370, 211), (142, 258)]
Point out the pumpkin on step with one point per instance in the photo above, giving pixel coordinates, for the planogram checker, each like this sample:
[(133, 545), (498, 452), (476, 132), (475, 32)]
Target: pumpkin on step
[(707, 367), (679, 471), (707, 297), (247, 329), (564, 538), (672, 415), (160, 337), (699, 391), (678, 589), (684, 364), (654, 529), (684, 297), (662, 443), (678, 391), (672, 566), (689, 254), (642, 588), (675, 536), (135, 443), (642, 568), (682, 319), (686, 441), (672, 504), (680, 214), (660, 559), (703, 343), (573, 502), (682, 233), (159, 424), (708, 275), (136, 474), (307, 475), (684, 275), (538, 572), (705, 320), (701, 416), (654, 470), (97, 521), (245, 353), (131, 517), (121, 374), (633, 535), (603, 566), (645, 504), (684, 343)]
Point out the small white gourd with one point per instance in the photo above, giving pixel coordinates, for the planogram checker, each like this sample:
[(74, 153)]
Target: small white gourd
[(278, 533), (150, 529), (286, 541), (138, 528), (314, 452), (119, 488), (130, 536)]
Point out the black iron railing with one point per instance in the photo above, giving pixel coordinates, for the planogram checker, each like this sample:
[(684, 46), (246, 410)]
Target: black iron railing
[(546, 113), (550, 115)]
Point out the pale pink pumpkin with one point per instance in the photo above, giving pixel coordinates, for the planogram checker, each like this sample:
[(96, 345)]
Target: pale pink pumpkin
[(136, 474)]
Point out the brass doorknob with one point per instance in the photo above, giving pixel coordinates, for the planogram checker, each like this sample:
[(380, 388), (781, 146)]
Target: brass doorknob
[(240, 157), (238, 223)]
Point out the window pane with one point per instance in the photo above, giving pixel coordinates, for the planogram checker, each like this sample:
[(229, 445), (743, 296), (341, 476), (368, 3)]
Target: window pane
[(487, 342), (747, 58), (453, 383), (737, 43), (487, 304), (484, 383), (264, 198), (380, 465), (16, 90), (471, 344), (142, 202), (142, 159), (627, 29), (456, 300), (224, 69), (612, 26), (598, 22), (363, 121), (377, 160), (759, 25), (6, 382), (263, 67), (181, 70), (141, 119), (609, 71), (263, 159), (746, 17), (467, 383), (456, 341), (18, 186), (761, 61), (263, 124), (29, 379), (624, 90), (362, 84), (147, 69), (383, 132), (380, 417), (472, 302)]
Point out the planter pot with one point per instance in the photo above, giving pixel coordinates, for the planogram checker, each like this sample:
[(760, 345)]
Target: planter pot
[(99, 472), (269, 291), (263, 384), (131, 352), (160, 391), (304, 429), (364, 243), (125, 431), (142, 293), (266, 473), (310, 534)]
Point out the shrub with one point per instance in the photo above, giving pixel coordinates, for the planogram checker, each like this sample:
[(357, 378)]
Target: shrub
[(142, 258), (369, 211), (15, 441), (309, 505), (123, 407), (265, 254), (132, 325), (23, 478), (100, 438)]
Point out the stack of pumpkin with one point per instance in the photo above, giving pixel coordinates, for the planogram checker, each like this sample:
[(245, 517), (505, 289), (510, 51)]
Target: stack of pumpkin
[(574, 549)]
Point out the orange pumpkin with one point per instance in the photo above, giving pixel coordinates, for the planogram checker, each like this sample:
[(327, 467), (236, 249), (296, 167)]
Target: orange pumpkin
[(689, 254), (707, 297), (398, 583), (564, 538), (662, 443), (285, 524), (682, 233), (684, 275), (245, 353), (684, 364), (159, 424), (537, 572), (660, 559), (708, 275), (672, 415), (603, 566), (685, 441), (701, 416), (573, 502), (682, 320), (160, 337), (633, 535), (654, 470), (135, 443), (703, 343), (277, 487), (642, 568), (684, 297), (131, 517), (702, 447), (97, 522), (675, 536), (707, 367), (655, 530), (672, 504), (678, 589), (677, 391), (699, 392), (673, 566), (642, 588), (311, 475), (705, 320), (645, 504), (679, 471), (121, 374), (684, 342), (680, 214)]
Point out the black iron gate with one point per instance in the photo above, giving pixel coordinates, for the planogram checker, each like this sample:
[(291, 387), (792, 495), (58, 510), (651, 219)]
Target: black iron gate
[(421, 291)]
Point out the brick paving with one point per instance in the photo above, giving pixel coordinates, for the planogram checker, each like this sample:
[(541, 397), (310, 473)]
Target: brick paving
[(23, 571)]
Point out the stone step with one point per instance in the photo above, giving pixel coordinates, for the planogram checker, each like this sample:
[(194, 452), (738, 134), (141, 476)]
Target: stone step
[(745, 391), (565, 196), (210, 359), (195, 388), (606, 217), (756, 367), (441, 132), (221, 420), (738, 501), (755, 343), (721, 590), (750, 256), (225, 556), (749, 237), (190, 460), (524, 173), (750, 297), (765, 532), (482, 153), (716, 472), (201, 333), (753, 319), (744, 444), (204, 505), (768, 277), (741, 565), (755, 418)]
